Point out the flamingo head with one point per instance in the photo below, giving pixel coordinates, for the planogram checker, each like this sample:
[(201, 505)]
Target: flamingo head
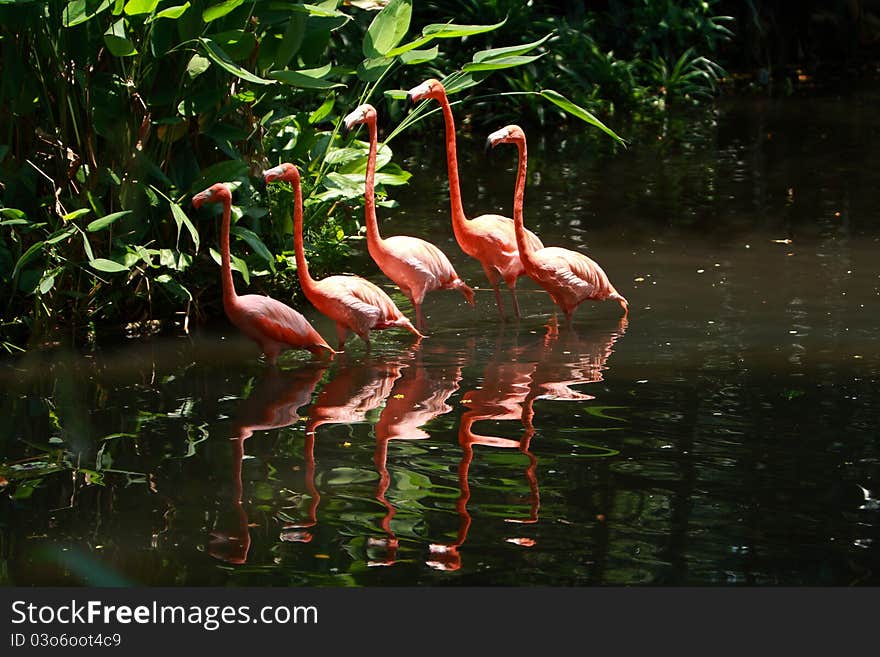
[(362, 114), (214, 194), (428, 89), (510, 134), (284, 171)]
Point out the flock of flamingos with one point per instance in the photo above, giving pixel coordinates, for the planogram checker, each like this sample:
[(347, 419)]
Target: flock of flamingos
[(504, 247)]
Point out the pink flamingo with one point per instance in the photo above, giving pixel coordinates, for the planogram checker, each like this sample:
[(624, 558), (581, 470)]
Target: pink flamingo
[(416, 266), (490, 238), (271, 324), (569, 277), (352, 302)]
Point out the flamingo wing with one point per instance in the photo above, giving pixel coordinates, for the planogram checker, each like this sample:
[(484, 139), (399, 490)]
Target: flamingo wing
[(280, 322), (425, 259), (500, 232), (576, 272)]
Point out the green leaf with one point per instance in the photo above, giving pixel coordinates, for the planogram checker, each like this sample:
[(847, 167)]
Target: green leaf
[(182, 220), (500, 62), (76, 214), (371, 70), (172, 12), (255, 243), (174, 288), (197, 65), (103, 222), (412, 45), (27, 256), (223, 60), (62, 234), (46, 284), (576, 110), (387, 29), (137, 7), (108, 266), (15, 217), (226, 172), (117, 43), (238, 44), (236, 263), (307, 78), (323, 111), (508, 51), (460, 81), (413, 57), (292, 39), (220, 10), (450, 30), (80, 11)]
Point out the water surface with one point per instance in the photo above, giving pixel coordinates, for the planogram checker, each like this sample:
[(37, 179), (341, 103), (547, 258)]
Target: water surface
[(725, 435)]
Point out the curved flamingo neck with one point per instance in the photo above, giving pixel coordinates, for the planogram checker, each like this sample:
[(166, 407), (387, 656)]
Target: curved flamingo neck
[(302, 267), (458, 216), (229, 296), (374, 239), (525, 248)]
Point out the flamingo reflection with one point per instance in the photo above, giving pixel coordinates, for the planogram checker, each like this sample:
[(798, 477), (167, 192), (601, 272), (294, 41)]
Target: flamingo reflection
[(418, 396), (354, 391), (512, 382), (274, 403)]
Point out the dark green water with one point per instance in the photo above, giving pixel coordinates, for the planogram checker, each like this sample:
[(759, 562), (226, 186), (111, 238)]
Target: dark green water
[(727, 435)]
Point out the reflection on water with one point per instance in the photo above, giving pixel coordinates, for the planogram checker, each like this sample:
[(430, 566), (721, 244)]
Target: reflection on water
[(727, 435)]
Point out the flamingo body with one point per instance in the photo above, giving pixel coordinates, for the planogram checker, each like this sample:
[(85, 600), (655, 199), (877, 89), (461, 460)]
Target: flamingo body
[(353, 303), (274, 326), (415, 265), (569, 277), (489, 238)]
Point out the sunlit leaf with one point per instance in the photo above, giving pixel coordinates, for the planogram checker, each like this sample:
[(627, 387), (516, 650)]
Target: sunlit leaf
[(413, 57), (371, 70), (219, 10), (576, 110), (236, 263), (80, 11), (387, 28), (137, 7), (76, 214), (117, 43), (46, 284), (182, 220), (218, 56), (197, 65), (172, 12), (500, 63), (508, 51), (103, 222), (108, 266), (450, 30), (306, 78), (174, 288), (323, 111)]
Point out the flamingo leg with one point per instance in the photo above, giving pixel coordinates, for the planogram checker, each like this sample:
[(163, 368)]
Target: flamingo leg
[(511, 284), (341, 334), (493, 281)]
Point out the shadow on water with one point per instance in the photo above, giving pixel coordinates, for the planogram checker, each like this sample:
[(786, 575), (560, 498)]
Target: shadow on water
[(726, 435)]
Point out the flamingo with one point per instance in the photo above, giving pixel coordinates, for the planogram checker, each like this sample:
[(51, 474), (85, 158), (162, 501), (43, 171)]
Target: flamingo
[(569, 277), (273, 325), (490, 238), (354, 303), (416, 266)]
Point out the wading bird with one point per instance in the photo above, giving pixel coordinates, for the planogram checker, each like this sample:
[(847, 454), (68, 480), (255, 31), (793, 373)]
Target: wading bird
[(352, 302), (416, 266), (490, 238), (271, 324), (569, 277)]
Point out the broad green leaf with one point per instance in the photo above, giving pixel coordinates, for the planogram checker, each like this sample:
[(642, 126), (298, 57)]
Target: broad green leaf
[(236, 263), (226, 172), (87, 247), (59, 235), (500, 62), (412, 45), (76, 214), (413, 57), (387, 28), (219, 10), (181, 220), (174, 288), (323, 111), (576, 110), (325, 10), (396, 94), (13, 214), (255, 243), (46, 284), (292, 39), (172, 12), (450, 30), (307, 78), (197, 65), (108, 266), (103, 222), (238, 44), (508, 51), (137, 7), (27, 256), (223, 60), (80, 11), (371, 70), (117, 43)]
